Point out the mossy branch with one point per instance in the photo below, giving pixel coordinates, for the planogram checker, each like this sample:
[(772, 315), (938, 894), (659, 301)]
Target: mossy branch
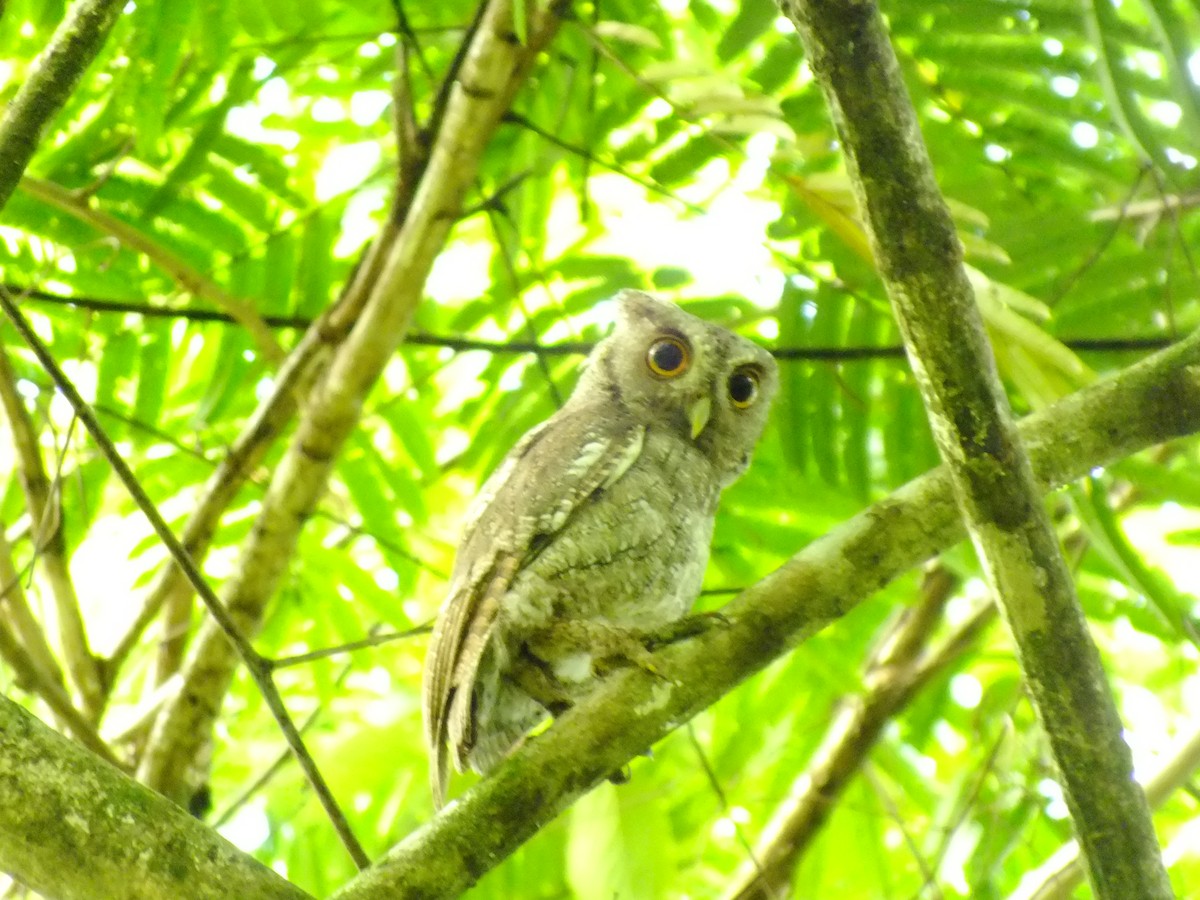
[(920, 259), (82, 829), (53, 77)]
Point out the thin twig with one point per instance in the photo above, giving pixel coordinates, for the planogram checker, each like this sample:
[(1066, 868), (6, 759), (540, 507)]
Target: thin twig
[(1181, 240), (495, 217), (583, 153), (914, 849), (281, 759), (1105, 241), (967, 800), (375, 640), (1148, 343), (723, 799)]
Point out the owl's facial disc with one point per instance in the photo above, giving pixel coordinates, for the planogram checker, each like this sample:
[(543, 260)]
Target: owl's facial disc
[(698, 413)]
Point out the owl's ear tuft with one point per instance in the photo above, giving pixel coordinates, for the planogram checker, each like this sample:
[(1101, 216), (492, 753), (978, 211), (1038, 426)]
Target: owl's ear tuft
[(638, 305), (628, 296)]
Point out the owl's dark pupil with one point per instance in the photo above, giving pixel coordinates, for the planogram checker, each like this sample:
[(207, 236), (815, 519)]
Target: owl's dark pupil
[(741, 387), (667, 356)]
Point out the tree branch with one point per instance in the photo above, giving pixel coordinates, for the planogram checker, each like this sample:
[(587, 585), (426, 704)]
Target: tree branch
[(1148, 403), (241, 310), (920, 258), (82, 830), (495, 67), (15, 608), (562, 348), (899, 671), (49, 545), (75, 43), (1062, 873), (235, 638)]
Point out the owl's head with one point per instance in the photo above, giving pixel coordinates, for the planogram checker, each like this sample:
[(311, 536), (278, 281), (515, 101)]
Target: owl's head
[(669, 369)]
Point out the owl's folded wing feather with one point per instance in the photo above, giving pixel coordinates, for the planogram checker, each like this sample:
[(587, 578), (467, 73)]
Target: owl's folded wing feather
[(543, 481)]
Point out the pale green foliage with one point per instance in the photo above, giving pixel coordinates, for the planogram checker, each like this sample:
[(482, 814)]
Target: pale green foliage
[(220, 131)]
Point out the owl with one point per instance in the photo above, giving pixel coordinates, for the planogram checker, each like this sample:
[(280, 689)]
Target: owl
[(593, 535)]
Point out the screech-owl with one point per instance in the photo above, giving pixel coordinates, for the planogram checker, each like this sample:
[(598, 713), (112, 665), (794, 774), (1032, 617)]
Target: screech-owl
[(594, 532)]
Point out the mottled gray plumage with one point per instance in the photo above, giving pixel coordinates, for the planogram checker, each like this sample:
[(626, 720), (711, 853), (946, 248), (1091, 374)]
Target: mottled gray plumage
[(595, 530)]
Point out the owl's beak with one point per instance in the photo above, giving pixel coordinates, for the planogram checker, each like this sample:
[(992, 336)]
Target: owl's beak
[(698, 415)]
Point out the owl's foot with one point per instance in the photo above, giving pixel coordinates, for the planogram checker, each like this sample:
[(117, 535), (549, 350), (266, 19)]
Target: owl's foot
[(687, 627), (534, 678), (621, 776), (603, 647)]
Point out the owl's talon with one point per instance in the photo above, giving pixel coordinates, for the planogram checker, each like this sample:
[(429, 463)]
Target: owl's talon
[(634, 653), (621, 776), (687, 627), (624, 774), (531, 676)]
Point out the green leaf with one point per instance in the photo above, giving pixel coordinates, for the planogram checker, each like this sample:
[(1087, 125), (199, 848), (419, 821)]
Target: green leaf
[(619, 845), (154, 354), (753, 18)]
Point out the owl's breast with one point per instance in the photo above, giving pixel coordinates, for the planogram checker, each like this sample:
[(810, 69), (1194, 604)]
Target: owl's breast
[(634, 553)]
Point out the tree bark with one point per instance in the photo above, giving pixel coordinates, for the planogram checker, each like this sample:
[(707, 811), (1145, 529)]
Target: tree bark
[(75, 44), (72, 826), (920, 258)]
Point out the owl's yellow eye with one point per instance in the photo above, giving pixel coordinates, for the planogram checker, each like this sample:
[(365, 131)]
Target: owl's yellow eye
[(668, 357), (743, 387)]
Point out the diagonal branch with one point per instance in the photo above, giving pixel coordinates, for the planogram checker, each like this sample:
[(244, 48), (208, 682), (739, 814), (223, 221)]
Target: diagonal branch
[(259, 670), (494, 68), (14, 607), (1060, 876), (1148, 403), (75, 43), (49, 544), (902, 668), (920, 259), (242, 311)]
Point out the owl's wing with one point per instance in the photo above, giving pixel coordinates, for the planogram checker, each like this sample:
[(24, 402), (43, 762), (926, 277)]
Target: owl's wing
[(550, 473)]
